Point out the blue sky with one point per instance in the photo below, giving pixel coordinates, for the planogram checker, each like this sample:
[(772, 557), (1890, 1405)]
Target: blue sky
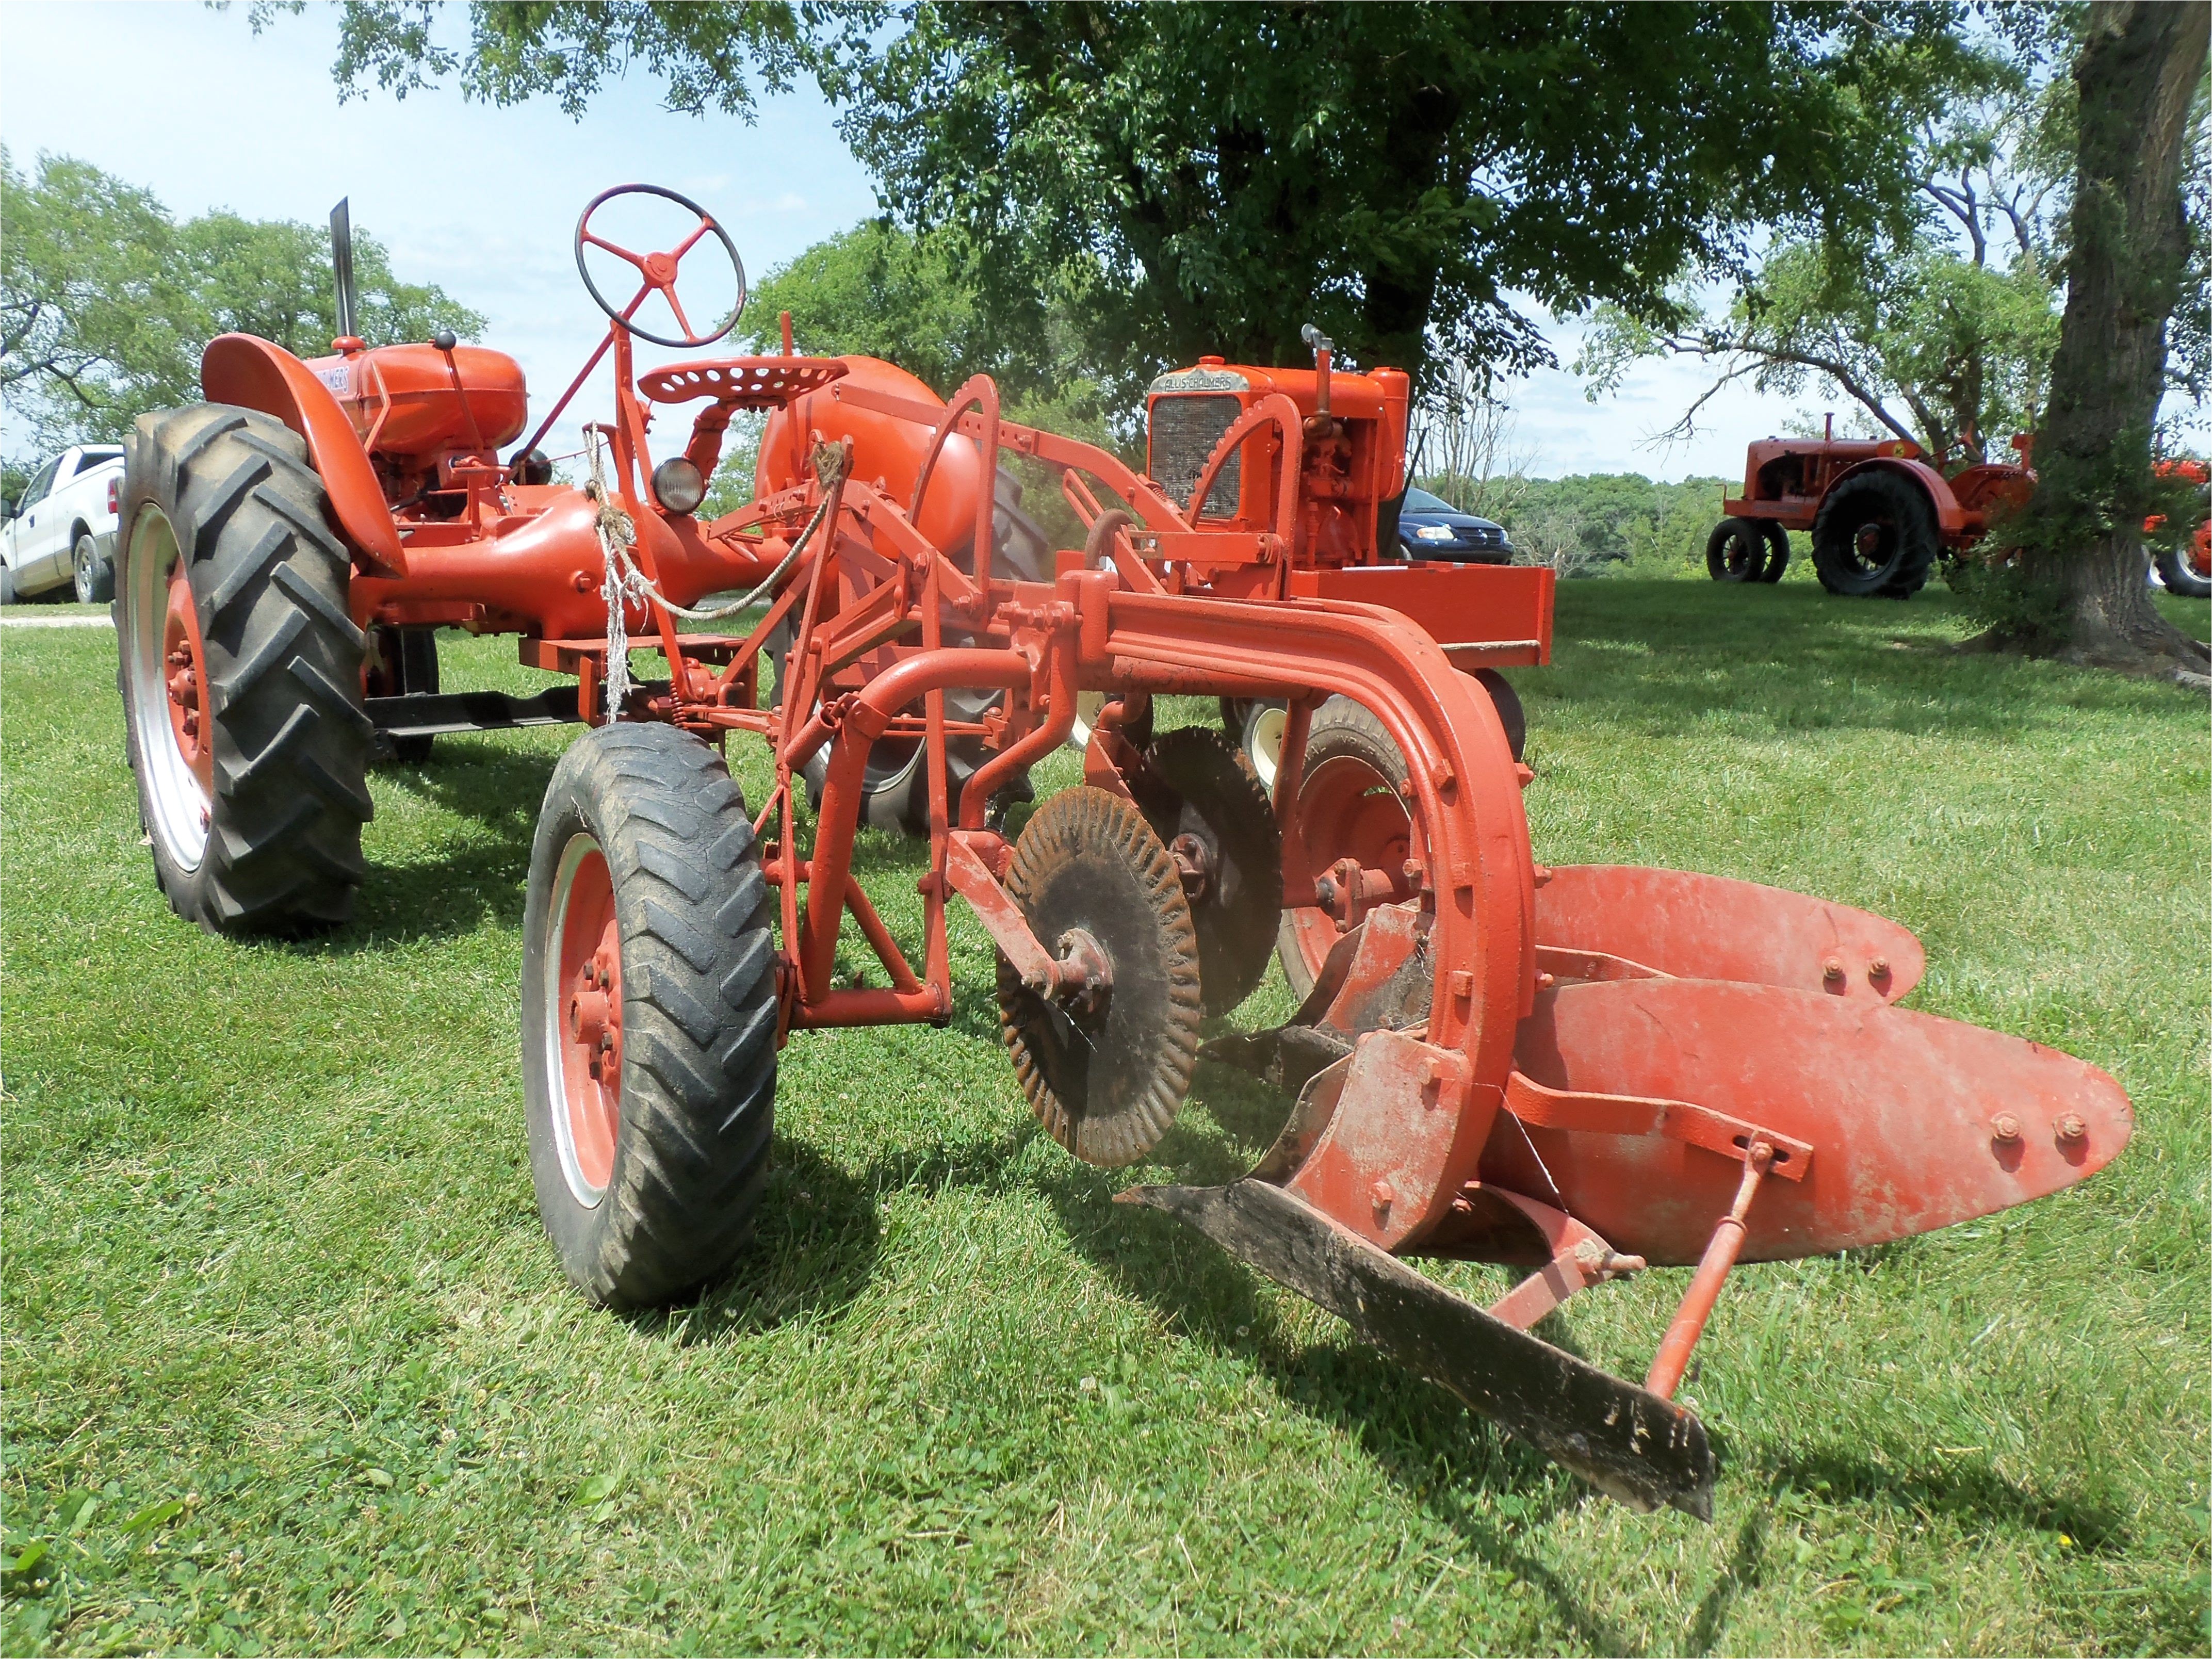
[(190, 103)]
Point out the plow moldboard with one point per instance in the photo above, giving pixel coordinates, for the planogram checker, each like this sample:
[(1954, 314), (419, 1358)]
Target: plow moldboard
[(1903, 1110), (1697, 927)]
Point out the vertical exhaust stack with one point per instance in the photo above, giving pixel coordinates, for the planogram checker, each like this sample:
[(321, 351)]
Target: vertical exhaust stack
[(341, 265)]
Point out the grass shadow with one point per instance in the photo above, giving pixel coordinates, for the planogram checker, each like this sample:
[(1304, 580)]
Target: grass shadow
[(1421, 1436), (1746, 1562), (1973, 1492), (813, 1251)]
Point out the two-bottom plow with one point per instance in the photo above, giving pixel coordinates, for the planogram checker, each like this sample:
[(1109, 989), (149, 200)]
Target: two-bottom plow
[(1581, 1071)]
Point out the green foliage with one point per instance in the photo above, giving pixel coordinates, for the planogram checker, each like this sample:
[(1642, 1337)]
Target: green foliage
[(105, 300), (1193, 179), (1943, 332), (879, 291), (705, 52), (1219, 175), (272, 1254), (1618, 521)]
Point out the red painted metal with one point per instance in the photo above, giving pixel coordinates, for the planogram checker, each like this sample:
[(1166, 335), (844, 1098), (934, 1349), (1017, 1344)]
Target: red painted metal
[(1697, 927), (184, 655), (590, 963), (239, 368), (1591, 1053), (1786, 479), (1900, 1110), (1697, 1305), (2198, 553)]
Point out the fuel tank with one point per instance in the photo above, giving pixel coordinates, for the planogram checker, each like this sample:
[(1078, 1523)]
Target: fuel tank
[(406, 401)]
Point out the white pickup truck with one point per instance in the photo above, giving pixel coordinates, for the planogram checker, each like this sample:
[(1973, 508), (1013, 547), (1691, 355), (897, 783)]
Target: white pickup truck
[(60, 535)]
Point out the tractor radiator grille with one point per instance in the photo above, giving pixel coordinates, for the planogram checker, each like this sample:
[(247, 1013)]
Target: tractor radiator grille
[(1185, 428)]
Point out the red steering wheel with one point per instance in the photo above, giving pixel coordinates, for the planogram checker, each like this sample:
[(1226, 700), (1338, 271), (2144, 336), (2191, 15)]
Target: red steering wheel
[(659, 270)]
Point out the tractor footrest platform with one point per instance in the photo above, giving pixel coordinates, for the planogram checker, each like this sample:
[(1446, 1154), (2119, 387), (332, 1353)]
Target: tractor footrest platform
[(424, 714), (1628, 1443)]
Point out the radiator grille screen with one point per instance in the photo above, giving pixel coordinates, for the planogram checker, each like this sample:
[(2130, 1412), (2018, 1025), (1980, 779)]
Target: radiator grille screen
[(1185, 428)]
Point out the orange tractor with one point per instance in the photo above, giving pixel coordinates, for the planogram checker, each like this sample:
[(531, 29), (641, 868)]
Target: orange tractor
[(1880, 512), (1583, 1070)]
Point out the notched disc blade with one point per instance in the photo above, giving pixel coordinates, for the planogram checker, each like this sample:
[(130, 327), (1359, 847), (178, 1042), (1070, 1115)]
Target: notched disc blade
[(1905, 1113), (1699, 927), (1220, 803), (1105, 1080)]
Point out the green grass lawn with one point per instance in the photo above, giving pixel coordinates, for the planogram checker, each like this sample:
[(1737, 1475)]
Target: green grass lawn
[(289, 1365)]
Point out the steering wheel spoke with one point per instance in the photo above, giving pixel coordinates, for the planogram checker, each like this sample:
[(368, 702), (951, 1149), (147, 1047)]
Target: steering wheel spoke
[(637, 259), (659, 268)]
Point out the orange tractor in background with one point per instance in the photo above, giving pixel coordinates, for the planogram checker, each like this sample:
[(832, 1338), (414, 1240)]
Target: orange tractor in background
[(2187, 569), (1881, 513), (1584, 1070)]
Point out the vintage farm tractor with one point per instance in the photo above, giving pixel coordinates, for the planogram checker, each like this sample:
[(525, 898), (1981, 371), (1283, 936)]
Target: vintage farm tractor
[(1881, 513), (1583, 1070)]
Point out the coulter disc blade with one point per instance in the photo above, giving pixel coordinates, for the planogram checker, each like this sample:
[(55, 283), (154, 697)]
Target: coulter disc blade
[(1916, 1122)]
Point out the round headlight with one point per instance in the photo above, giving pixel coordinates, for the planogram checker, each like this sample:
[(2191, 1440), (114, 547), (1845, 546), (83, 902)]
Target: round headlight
[(676, 484)]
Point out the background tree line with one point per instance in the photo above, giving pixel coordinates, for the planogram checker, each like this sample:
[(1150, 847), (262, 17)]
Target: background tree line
[(106, 299), (1076, 195)]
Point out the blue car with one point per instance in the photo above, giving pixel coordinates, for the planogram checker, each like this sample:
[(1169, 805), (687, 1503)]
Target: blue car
[(1431, 527)]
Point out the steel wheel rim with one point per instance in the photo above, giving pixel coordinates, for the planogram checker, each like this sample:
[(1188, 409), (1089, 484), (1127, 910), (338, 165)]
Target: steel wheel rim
[(1346, 809), (1882, 536), (82, 566), (176, 766), (1747, 553), (584, 1071), (1263, 740)]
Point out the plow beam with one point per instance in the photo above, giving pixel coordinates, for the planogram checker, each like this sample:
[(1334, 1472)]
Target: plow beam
[(1628, 1443), (1914, 1123), (1694, 927)]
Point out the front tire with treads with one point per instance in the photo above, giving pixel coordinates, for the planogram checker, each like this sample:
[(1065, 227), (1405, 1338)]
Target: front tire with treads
[(649, 1016), (241, 674)]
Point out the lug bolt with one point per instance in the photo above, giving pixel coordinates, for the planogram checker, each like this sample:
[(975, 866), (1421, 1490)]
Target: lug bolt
[(1831, 970), (2071, 1129), (1878, 968), (1383, 1193), (2005, 1129)]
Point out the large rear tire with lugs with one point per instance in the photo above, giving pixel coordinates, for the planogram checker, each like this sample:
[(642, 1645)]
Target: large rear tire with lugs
[(241, 674), (649, 1016), (1875, 535)]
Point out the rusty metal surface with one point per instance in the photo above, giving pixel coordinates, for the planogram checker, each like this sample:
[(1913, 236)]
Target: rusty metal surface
[(1902, 1110), (1630, 1444), (1699, 927)]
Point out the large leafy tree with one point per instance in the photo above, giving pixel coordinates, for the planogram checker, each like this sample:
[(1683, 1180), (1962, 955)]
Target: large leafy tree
[(2140, 82), (1188, 179), (105, 300), (1943, 334)]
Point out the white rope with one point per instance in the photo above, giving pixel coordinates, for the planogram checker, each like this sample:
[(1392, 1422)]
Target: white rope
[(624, 581)]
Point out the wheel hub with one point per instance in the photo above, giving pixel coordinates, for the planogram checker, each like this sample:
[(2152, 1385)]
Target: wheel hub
[(587, 1022), (186, 680)]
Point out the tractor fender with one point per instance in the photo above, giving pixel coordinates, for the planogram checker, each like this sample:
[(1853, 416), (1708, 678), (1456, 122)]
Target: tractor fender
[(254, 374), (1953, 521)]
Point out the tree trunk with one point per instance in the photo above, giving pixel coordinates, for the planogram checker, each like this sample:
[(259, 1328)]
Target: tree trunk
[(2082, 533)]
